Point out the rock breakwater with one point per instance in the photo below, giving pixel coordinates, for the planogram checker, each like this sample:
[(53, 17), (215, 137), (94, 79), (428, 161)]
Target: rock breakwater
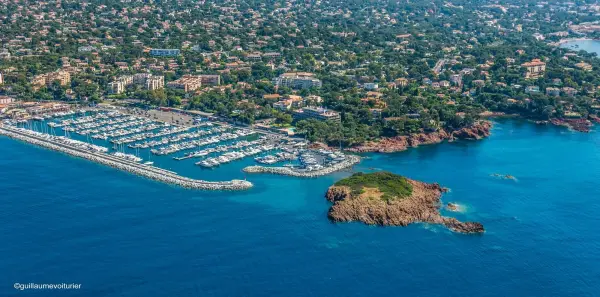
[(147, 171), (350, 160)]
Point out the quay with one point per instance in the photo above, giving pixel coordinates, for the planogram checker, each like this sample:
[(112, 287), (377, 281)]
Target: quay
[(349, 162), (147, 171)]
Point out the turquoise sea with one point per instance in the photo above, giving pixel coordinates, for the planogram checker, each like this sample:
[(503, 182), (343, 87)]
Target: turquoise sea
[(68, 220)]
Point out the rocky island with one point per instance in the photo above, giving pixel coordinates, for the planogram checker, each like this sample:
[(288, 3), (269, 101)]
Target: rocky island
[(386, 199)]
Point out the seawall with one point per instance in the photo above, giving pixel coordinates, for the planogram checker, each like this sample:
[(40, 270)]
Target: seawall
[(147, 171), (350, 160)]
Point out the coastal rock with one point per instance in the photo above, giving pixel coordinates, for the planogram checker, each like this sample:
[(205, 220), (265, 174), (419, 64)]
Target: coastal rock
[(452, 206), (581, 125), (594, 118), (479, 130), (463, 227), (474, 132), (422, 206), (337, 193)]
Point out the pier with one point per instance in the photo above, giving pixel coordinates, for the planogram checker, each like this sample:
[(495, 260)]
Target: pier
[(151, 172), (348, 162)]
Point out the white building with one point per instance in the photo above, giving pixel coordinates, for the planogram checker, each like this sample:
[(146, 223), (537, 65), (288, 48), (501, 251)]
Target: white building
[(297, 80)]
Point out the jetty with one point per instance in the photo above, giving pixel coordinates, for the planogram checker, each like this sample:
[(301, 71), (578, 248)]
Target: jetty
[(348, 162), (148, 171)]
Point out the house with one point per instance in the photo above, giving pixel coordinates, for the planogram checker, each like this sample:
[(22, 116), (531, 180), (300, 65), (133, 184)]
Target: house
[(402, 82), (532, 89), (554, 92), (569, 91), (370, 86), (584, 66), (534, 69)]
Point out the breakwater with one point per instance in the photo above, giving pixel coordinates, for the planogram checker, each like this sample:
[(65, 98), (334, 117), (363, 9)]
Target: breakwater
[(147, 171), (350, 161)]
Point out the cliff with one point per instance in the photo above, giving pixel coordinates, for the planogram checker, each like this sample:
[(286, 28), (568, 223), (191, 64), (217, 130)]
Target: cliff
[(400, 143), (420, 206)]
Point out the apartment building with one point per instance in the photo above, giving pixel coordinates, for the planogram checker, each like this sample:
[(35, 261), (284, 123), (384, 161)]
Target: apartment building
[(155, 82), (163, 52), (297, 80), (63, 78), (317, 113), (149, 81), (187, 83), (208, 79)]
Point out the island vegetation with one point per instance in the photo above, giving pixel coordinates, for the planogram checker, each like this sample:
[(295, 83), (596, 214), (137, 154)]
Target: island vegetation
[(387, 199), (391, 186)]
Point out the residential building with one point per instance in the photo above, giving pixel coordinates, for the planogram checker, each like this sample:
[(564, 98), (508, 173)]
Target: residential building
[(402, 82), (554, 92), (4, 54), (208, 79), (63, 78), (271, 55), (187, 83), (584, 66), (297, 80), (283, 105), (371, 86), (6, 100), (532, 89), (535, 68), (317, 113), (1, 78), (116, 87), (479, 82), (149, 81), (569, 91), (141, 78), (155, 82), (157, 52)]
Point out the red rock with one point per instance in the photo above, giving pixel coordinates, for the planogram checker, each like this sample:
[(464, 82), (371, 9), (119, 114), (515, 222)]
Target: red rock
[(400, 143)]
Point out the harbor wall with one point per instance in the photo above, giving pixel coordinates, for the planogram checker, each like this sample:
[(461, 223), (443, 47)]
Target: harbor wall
[(147, 171), (349, 162)]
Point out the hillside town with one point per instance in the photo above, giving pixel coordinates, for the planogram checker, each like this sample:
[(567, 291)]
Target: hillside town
[(338, 72)]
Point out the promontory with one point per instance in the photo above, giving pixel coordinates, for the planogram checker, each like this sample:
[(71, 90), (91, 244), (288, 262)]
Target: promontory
[(386, 199)]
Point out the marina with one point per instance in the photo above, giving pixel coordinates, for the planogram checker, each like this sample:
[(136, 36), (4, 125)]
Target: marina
[(157, 150)]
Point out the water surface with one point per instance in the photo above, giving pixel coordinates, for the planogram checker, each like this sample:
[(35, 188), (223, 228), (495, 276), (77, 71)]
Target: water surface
[(64, 219)]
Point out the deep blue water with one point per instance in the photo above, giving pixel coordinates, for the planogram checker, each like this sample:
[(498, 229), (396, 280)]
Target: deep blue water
[(68, 220)]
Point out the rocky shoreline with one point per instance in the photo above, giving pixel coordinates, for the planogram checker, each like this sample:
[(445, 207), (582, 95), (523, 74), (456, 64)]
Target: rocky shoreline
[(422, 206), (477, 131), (147, 171), (350, 160), (580, 125)]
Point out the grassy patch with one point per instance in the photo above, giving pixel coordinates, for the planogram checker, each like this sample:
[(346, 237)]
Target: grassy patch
[(392, 186)]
